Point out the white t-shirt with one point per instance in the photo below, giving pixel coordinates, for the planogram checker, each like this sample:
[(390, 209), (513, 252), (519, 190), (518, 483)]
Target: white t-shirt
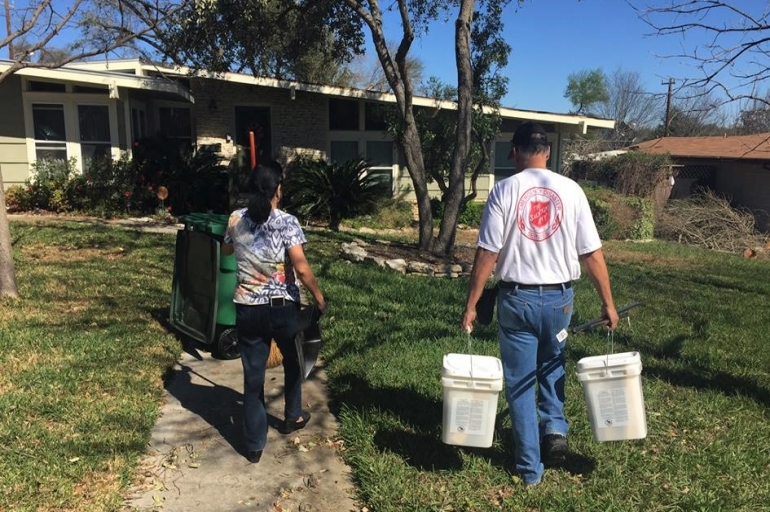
[(538, 222)]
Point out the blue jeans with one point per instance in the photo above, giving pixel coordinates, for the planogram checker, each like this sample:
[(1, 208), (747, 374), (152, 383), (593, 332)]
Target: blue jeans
[(256, 326), (530, 321)]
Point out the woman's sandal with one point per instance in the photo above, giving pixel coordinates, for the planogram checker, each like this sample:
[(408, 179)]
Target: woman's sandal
[(291, 426)]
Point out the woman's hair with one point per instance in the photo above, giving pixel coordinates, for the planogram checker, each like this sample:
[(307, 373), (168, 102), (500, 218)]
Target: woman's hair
[(264, 181)]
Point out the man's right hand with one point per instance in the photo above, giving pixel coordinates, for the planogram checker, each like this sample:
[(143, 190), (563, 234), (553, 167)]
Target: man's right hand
[(469, 316)]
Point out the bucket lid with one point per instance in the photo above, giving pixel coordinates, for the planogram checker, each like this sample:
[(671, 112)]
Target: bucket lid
[(605, 361), (484, 367)]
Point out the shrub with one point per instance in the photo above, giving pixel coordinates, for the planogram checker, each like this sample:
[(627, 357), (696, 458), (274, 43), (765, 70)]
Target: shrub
[(18, 199), (633, 173), (316, 189), (48, 185), (196, 181), (470, 214), (390, 213), (621, 217)]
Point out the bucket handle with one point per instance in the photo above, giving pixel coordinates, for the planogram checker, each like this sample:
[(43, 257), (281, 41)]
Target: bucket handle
[(470, 351)]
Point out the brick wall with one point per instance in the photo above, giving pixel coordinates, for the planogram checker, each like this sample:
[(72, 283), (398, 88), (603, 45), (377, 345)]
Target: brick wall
[(298, 125)]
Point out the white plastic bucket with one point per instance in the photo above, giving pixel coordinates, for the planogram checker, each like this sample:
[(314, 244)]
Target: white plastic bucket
[(470, 399), (612, 386)]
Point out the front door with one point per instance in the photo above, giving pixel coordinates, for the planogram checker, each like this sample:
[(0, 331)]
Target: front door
[(256, 119)]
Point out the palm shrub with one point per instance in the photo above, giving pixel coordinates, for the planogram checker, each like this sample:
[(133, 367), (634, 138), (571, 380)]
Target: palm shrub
[(316, 189)]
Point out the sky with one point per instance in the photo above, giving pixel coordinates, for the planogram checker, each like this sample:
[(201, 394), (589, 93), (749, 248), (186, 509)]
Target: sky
[(550, 39)]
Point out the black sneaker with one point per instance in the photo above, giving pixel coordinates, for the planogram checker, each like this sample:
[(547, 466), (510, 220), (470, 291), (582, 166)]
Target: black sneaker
[(553, 449)]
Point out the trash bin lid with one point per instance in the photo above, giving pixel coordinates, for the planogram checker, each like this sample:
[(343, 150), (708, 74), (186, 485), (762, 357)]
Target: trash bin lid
[(214, 223)]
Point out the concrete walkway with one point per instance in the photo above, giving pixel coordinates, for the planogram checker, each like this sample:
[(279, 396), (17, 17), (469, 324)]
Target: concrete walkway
[(195, 460)]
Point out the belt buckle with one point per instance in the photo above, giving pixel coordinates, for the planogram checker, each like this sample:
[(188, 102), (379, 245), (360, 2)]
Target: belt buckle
[(277, 301)]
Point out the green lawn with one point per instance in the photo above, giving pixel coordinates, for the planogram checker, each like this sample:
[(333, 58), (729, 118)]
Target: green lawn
[(82, 357), (703, 339), (83, 354)]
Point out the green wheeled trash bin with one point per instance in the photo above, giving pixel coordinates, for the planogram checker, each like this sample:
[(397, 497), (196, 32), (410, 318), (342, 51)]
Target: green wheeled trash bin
[(203, 285)]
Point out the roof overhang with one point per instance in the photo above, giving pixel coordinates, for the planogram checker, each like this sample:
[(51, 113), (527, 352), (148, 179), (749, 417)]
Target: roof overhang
[(581, 122), (146, 70), (95, 77)]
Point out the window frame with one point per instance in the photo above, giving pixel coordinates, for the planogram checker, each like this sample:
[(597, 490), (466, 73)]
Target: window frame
[(70, 102)]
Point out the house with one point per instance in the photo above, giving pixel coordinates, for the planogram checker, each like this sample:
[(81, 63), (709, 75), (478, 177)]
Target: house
[(737, 167), (94, 108)]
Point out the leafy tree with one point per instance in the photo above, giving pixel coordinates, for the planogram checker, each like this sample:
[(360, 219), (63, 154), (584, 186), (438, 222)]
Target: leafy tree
[(416, 17), (306, 40), (585, 89), (105, 26), (489, 55)]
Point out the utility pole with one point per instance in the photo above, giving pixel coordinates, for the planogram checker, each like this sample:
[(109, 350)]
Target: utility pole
[(670, 83), (11, 55)]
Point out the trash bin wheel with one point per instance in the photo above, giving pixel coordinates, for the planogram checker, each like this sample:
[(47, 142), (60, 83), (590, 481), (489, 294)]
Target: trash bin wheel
[(226, 346)]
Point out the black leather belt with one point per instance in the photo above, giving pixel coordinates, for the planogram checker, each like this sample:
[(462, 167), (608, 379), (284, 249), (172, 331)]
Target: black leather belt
[(544, 287)]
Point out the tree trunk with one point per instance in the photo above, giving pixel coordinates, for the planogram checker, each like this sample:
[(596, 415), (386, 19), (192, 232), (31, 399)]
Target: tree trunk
[(412, 146), (444, 243), (396, 73), (7, 273)]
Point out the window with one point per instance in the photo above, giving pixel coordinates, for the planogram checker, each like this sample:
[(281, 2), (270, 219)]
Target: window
[(375, 117), (175, 124), (380, 157), (94, 123), (256, 119), (50, 134), (82, 89), (342, 151), (138, 124), (36, 86), (503, 166), (380, 153), (343, 114)]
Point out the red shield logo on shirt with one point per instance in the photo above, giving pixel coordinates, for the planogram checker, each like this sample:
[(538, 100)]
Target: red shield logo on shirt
[(539, 213)]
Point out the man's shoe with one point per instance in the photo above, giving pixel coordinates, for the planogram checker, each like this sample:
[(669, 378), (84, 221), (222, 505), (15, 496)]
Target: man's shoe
[(553, 449), (254, 456), (291, 426)]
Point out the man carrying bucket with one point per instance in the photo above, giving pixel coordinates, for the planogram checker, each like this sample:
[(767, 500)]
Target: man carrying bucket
[(536, 231)]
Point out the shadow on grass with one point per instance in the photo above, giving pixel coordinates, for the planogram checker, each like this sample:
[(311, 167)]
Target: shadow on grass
[(419, 442), (686, 372)]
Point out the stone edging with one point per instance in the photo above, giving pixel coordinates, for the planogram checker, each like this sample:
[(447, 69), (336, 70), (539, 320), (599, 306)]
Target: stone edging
[(355, 252)]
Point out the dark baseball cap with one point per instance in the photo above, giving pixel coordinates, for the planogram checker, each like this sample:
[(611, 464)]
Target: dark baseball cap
[(529, 133)]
